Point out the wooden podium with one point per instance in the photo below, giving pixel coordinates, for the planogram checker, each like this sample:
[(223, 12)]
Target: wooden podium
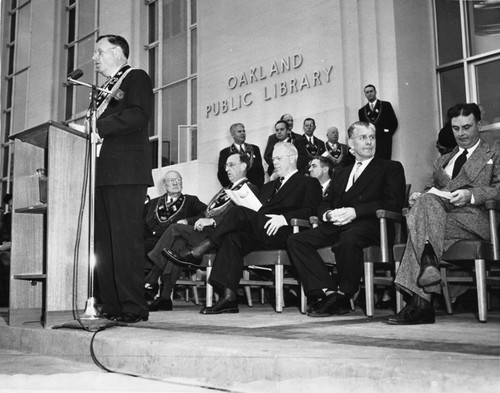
[(44, 234)]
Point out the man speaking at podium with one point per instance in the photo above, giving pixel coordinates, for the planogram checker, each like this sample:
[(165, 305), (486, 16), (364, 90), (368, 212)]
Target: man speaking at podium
[(123, 174)]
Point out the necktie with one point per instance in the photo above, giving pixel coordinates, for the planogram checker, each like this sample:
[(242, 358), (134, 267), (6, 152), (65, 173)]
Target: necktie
[(459, 163), (279, 182), (356, 172), (372, 105), (243, 151)]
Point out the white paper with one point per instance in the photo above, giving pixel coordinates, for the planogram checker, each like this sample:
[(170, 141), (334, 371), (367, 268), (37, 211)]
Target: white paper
[(442, 194), (244, 197)]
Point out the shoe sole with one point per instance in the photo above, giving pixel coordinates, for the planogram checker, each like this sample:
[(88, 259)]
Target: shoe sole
[(180, 261), (228, 311), (392, 322), (318, 315)]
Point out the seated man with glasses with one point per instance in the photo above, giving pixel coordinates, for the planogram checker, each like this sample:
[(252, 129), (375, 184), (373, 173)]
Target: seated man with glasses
[(194, 229), (243, 230), (348, 224)]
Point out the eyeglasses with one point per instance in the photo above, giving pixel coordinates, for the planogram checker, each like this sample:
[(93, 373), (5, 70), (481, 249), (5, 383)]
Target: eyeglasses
[(99, 52), (231, 164), (364, 138), (175, 180)]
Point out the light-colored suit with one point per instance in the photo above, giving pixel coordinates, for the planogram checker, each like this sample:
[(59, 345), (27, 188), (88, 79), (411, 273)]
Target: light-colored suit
[(435, 219)]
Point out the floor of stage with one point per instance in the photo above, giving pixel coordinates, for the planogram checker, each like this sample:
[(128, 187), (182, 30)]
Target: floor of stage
[(260, 350)]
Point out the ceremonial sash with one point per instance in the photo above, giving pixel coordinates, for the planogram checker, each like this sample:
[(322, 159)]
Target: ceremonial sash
[(167, 211)]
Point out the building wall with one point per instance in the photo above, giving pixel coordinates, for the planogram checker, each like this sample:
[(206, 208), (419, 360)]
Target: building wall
[(348, 44)]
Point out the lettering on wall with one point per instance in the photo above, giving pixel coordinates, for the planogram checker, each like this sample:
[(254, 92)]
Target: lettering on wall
[(270, 88)]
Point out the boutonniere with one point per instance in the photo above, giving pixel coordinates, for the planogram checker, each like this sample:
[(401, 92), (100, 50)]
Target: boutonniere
[(376, 110)]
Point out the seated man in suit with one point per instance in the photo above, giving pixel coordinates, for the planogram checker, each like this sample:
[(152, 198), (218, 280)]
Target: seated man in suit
[(468, 176), (194, 230), (321, 168), (349, 223), (308, 145), (255, 172), (292, 195), (171, 207), (337, 152)]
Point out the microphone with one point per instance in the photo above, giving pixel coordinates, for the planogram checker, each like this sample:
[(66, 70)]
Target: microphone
[(76, 74)]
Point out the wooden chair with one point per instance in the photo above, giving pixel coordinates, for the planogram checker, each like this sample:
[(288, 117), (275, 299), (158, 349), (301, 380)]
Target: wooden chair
[(483, 253), (272, 258)]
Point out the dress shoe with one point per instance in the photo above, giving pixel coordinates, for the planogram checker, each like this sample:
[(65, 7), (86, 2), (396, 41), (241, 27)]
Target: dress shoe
[(224, 305), (161, 304), (109, 317), (383, 304), (412, 315), (315, 305), (333, 304), (183, 257), (131, 318)]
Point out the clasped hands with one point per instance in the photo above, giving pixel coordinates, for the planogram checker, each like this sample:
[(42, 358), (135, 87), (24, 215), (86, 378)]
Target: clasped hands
[(341, 216)]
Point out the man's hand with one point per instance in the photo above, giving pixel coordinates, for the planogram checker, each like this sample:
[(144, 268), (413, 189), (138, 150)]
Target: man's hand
[(274, 223), (341, 216), (413, 198), (461, 198), (202, 223)]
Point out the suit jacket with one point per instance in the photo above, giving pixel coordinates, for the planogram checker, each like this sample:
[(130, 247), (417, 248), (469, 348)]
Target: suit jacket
[(480, 174), (155, 227), (125, 156), (307, 151), (255, 173), (385, 121), (381, 185), (268, 152), (297, 198)]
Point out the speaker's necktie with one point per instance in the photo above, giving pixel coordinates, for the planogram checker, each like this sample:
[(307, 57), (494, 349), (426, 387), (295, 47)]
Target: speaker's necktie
[(459, 163)]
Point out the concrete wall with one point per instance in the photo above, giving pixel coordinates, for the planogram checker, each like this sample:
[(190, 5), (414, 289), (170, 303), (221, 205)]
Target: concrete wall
[(347, 43)]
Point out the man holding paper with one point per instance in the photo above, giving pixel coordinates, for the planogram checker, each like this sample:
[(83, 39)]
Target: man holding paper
[(291, 195), (191, 231), (451, 210)]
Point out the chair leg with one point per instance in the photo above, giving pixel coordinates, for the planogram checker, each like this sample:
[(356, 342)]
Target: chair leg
[(369, 289), (481, 289), (248, 292), (446, 291), (399, 295), (303, 300), (210, 288), (194, 277), (278, 282), (186, 292), (262, 295)]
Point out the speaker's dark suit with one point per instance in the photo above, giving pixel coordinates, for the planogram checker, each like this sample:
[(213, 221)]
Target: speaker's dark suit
[(380, 186), (268, 152), (307, 151), (123, 173), (242, 230), (255, 174), (385, 121)]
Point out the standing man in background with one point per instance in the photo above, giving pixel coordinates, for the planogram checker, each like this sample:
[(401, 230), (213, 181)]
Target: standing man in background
[(255, 171), (123, 174), (308, 145), (382, 116)]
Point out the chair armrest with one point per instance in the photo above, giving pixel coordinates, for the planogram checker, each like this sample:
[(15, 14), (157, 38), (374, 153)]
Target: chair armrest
[(389, 214), (314, 221), (300, 222)]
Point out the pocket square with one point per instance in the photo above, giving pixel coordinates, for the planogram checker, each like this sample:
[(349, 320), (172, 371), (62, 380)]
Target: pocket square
[(490, 162)]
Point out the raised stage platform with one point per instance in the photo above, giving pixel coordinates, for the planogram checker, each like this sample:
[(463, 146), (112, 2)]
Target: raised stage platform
[(259, 350)]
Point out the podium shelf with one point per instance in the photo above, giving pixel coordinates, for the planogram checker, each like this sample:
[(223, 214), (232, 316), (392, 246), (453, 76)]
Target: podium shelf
[(33, 277), (35, 209)]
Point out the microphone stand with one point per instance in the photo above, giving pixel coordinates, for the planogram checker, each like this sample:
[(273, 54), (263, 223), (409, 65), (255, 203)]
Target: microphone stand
[(91, 312)]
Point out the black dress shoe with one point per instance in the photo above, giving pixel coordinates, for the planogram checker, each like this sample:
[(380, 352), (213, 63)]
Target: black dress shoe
[(224, 305), (412, 315), (131, 318), (161, 304), (315, 305), (333, 304), (383, 304), (183, 257)]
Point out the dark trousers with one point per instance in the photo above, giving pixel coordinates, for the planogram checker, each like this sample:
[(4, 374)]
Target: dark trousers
[(347, 243), (176, 238), (241, 232), (119, 249)]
